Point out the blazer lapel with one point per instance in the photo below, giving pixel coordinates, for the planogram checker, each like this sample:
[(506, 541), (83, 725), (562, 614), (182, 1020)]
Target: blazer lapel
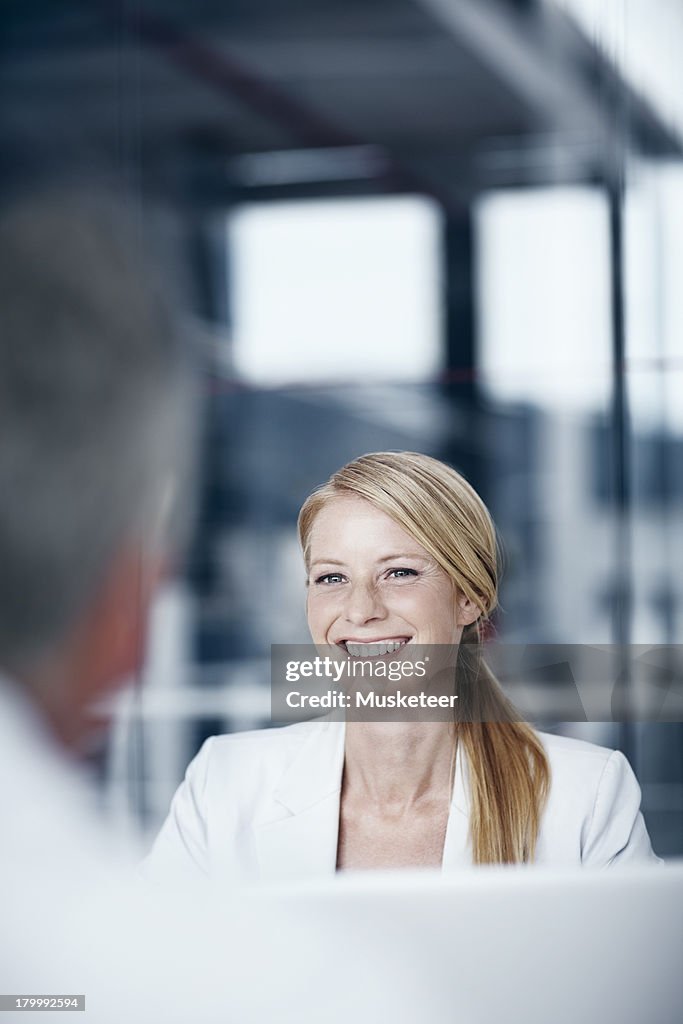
[(298, 838)]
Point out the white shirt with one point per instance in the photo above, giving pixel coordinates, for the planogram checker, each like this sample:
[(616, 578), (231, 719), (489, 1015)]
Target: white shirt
[(47, 804), (75, 921), (264, 805)]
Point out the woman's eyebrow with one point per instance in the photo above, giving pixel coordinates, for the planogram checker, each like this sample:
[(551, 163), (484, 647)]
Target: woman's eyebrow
[(384, 558), (404, 554)]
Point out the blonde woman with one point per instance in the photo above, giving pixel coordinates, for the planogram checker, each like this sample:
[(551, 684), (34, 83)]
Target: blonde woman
[(399, 549)]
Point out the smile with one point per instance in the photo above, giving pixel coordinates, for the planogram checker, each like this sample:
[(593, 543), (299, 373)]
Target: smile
[(375, 648)]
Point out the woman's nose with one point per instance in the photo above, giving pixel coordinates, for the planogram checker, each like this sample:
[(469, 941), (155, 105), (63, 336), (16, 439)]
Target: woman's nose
[(363, 604)]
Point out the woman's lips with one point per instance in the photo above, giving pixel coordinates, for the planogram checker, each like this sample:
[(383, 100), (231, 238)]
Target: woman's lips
[(373, 648)]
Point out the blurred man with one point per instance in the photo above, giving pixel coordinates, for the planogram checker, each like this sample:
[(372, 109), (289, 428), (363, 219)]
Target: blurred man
[(96, 405), (94, 395)]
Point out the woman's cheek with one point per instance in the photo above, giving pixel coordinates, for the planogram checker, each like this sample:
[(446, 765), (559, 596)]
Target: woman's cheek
[(318, 613)]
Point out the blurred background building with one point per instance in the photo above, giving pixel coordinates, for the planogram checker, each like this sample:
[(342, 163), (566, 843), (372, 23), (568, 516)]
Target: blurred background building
[(453, 226)]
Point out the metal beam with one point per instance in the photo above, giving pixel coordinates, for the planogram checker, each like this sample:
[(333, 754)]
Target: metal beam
[(543, 58)]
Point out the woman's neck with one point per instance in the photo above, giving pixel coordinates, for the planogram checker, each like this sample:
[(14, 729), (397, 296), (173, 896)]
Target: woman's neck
[(397, 766)]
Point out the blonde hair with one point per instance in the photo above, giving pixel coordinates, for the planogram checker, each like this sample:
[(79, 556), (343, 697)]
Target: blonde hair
[(509, 775)]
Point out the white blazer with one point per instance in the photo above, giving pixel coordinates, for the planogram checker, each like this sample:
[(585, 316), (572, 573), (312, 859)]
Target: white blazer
[(264, 805)]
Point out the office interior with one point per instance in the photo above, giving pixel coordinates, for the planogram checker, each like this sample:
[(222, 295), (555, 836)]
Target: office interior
[(449, 226)]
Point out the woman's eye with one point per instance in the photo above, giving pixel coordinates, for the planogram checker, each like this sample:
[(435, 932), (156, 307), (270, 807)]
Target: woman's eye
[(330, 577), (401, 574)]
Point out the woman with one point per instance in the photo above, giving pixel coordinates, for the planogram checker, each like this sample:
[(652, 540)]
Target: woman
[(399, 549)]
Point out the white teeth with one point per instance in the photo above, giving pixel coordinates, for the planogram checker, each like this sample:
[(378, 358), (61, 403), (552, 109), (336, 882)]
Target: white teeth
[(374, 650)]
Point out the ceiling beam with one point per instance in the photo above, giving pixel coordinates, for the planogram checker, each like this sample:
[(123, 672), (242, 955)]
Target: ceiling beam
[(544, 59)]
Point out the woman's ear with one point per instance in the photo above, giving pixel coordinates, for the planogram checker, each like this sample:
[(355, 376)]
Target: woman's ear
[(467, 611)]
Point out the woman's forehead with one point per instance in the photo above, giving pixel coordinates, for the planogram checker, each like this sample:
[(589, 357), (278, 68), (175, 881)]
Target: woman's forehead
[(352, 522)]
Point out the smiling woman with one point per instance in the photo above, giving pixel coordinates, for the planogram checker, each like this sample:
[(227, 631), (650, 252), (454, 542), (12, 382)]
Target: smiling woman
[(387, 590), (400, 551)]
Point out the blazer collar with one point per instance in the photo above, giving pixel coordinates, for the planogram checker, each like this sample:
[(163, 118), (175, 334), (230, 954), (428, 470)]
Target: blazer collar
[(298, 837), (315, 773)]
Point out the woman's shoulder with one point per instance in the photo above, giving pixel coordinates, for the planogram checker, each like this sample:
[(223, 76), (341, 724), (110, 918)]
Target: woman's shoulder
[(580, 761), (593, 812), (566, 748)]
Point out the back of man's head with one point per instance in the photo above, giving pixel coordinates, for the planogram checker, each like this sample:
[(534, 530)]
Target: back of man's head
[(94, 394)]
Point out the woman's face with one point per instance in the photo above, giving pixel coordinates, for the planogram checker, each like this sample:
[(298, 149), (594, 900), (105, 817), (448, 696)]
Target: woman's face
[(370, 583)]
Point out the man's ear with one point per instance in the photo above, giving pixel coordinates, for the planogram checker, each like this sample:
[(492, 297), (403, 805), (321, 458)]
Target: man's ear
[(105, 648), (119, 617), (467, 611)]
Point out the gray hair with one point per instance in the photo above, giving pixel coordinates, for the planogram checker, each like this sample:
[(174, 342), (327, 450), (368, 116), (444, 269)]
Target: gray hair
[(95, 392)]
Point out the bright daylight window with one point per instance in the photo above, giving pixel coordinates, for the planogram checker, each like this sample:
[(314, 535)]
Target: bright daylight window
[(335, 290), (544, 297)]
